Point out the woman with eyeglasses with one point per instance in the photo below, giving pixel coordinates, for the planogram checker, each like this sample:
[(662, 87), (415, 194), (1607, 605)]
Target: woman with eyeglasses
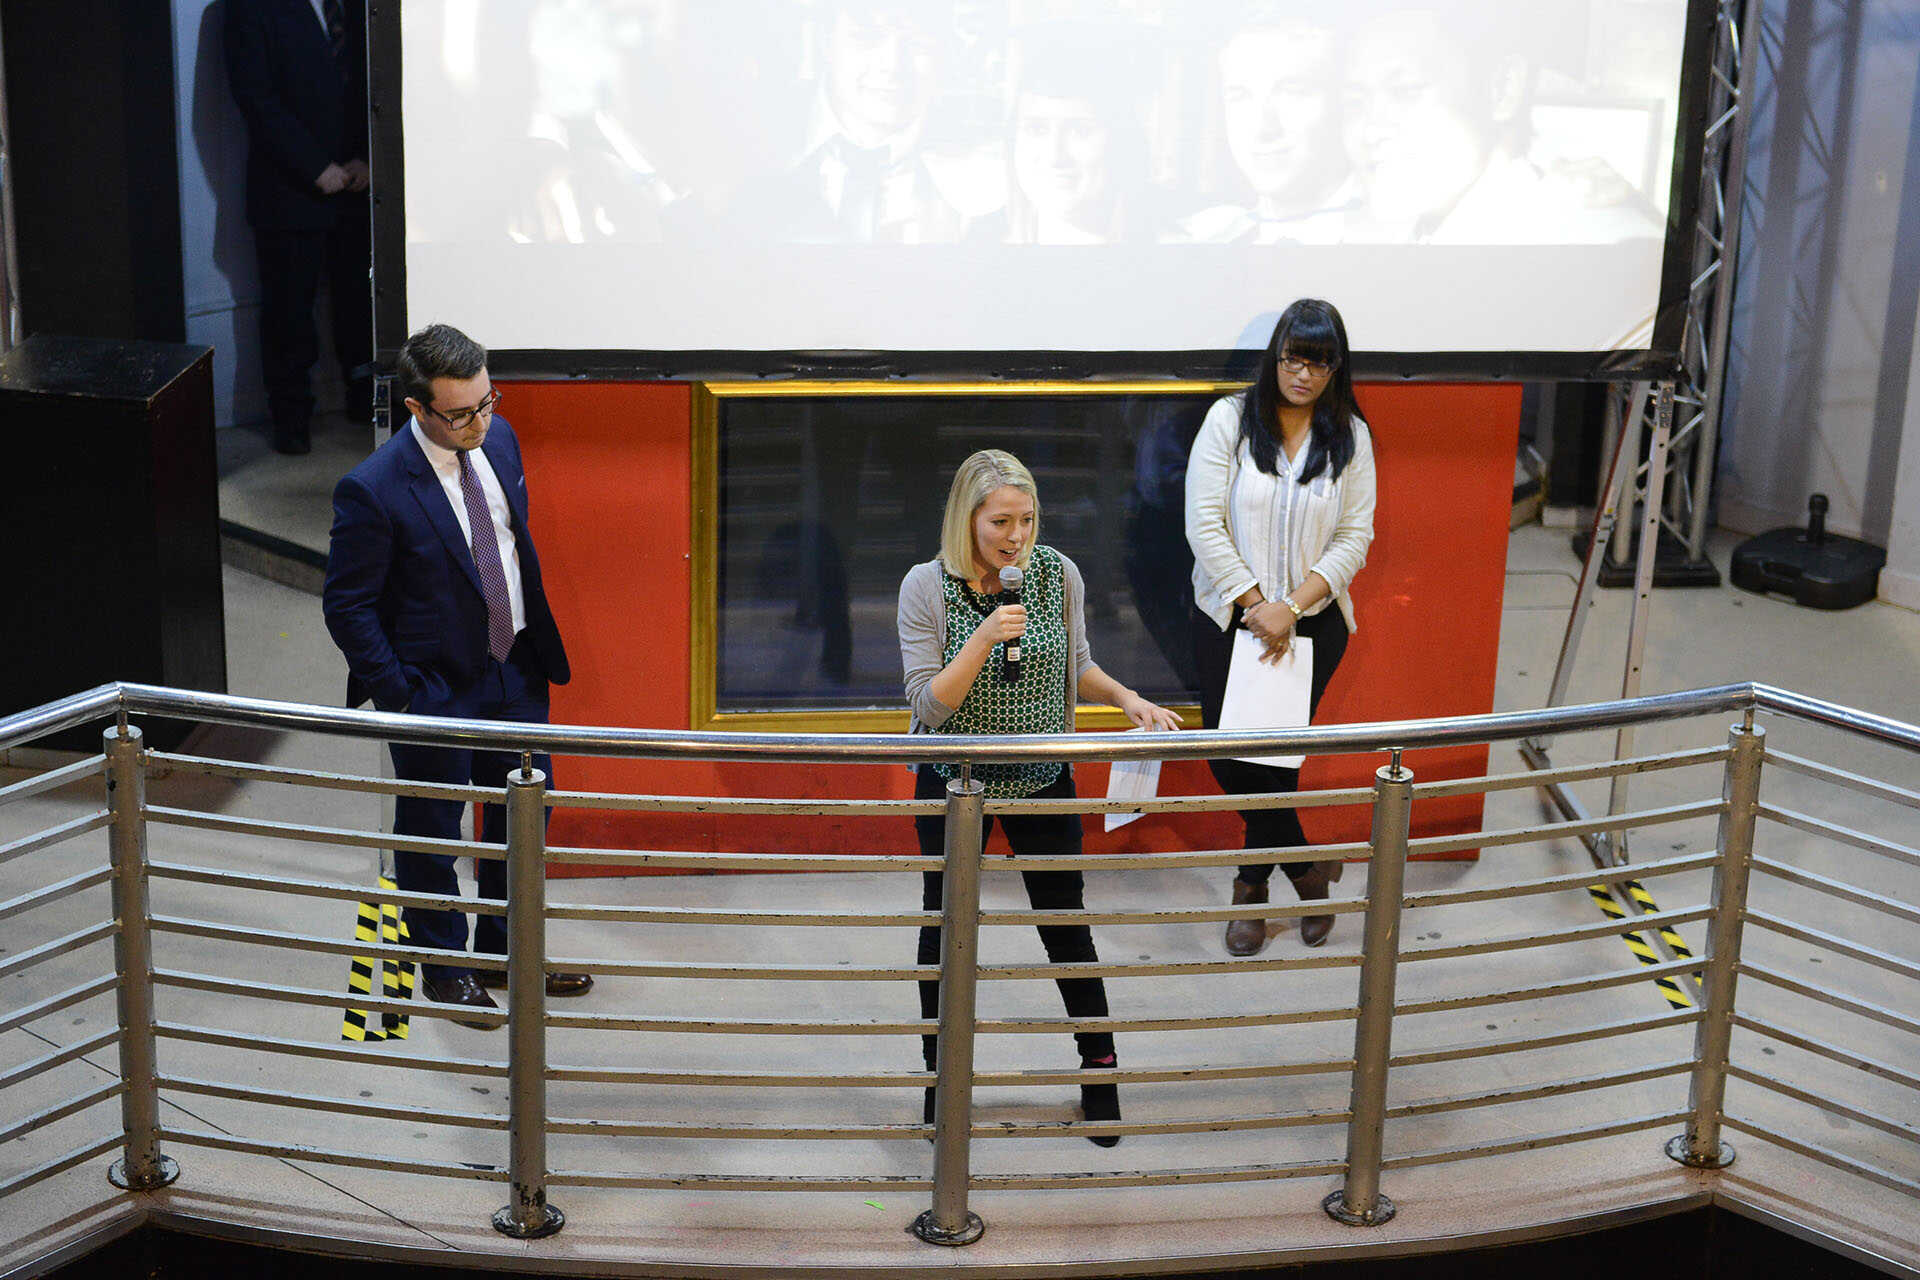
[(1280, 496), (958, 631)]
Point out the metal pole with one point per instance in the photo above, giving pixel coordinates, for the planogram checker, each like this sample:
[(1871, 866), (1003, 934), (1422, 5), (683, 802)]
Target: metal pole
[(141, 1167), (1633, 428), (1642, 598), (1360, 1202), (949, 1222), (10, 326), (1733, 186), (527, 1216), (1618, 480), (1700, 1146)]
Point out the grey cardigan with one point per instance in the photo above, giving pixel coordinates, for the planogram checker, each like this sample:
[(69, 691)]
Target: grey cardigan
[(923, 639)]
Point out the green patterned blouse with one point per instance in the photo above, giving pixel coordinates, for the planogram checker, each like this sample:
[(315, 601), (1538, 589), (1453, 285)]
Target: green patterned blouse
[(1037, 701)]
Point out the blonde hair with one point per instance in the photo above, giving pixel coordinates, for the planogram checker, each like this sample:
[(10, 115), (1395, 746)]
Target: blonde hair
[(977, 478)]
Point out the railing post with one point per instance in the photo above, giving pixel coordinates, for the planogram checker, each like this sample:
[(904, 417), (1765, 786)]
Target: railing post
[(527, 1216), (949, 1222), (1700, 1146), (1360, 1203), (141, 1167)]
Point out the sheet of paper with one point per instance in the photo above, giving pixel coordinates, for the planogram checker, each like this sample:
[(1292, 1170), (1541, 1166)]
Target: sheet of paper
[(1131, 780), (1268, 695)]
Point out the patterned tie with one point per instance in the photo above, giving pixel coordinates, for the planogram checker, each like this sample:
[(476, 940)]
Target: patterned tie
[(336, 12), (486, 558)]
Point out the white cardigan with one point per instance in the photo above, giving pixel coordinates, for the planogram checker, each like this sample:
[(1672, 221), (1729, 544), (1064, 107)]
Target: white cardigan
[(1331, 536)]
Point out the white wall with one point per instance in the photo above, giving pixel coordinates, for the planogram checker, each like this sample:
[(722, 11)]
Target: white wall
[(1822, 372)]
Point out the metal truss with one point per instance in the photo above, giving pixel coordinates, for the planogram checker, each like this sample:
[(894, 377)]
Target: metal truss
[(1684, 508)]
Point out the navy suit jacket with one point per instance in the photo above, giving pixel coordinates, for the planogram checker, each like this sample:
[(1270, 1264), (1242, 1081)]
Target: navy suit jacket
[(301, 114), (402, 597)]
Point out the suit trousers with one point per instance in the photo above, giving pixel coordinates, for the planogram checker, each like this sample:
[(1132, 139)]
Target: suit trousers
[(1213, 654), (292, 265), (1034, 834), (513, 690)]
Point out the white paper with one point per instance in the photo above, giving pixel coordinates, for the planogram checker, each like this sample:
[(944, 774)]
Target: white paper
[(1131, 780), (1268, 695)]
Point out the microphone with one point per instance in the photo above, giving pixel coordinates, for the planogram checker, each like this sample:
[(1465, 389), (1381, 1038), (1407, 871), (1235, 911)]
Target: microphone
[(1010, 580)]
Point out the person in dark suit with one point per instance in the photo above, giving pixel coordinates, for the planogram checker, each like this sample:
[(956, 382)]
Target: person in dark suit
[(433, 592), (298, 70)]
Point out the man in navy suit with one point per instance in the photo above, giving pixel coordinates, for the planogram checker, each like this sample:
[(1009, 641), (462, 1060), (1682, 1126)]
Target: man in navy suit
[(433, 593), (298, 69)]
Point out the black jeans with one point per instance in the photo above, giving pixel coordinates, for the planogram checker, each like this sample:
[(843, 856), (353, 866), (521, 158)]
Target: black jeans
[(510, 690), (292, 266), (1213, 653), (1027, 833)]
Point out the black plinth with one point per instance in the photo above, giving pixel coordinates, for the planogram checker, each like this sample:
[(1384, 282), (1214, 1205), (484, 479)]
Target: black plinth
[(1672, 566), (111, 521), (1835, 573)]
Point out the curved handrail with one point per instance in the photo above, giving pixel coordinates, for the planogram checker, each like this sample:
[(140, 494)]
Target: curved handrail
[(67, 713), (868, 748), (1835, 715), (898, 747)]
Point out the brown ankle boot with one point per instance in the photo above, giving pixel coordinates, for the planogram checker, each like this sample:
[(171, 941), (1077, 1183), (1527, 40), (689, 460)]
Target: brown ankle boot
[(1312, 887), (1246, 937)]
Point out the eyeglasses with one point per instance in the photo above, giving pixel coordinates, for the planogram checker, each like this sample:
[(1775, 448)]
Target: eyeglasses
[(461, 419), (1318, 368)]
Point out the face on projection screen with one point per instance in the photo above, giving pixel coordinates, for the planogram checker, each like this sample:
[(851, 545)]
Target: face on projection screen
[(1071, 175)]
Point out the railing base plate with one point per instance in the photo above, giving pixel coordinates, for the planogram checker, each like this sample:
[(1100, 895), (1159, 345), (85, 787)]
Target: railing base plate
[(1677, 1151), (164, 1176), (925, 1228), (551, 1220), (1336, 1206)]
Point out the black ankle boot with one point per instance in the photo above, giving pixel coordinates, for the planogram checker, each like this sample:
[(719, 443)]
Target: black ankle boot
[(1100, 1102)]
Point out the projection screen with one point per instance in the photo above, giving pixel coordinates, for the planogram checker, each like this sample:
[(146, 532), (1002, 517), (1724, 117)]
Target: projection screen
[(1493, 185)]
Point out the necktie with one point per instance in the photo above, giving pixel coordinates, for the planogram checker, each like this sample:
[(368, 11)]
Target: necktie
[(486, 558), (336, 13)]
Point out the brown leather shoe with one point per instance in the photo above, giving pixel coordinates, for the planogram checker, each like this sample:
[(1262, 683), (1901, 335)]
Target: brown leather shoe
[(1312, 887), (462, 989), (1246, 937), (558, 984)]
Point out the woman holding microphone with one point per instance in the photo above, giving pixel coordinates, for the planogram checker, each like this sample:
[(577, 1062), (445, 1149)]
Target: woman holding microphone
[(955, 625), (1280, 497)]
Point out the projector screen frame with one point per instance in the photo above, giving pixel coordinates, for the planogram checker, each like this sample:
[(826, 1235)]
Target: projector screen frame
[(1661, 359)]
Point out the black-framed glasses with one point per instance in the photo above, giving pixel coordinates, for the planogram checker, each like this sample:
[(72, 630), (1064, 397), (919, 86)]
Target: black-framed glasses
[(1318, 368), (461, 419)]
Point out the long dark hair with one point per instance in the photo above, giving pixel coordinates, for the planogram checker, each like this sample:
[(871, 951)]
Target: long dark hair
[(1310, 329)]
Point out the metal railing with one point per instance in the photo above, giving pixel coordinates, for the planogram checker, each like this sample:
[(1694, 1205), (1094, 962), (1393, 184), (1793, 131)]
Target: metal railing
[(1741, 914)]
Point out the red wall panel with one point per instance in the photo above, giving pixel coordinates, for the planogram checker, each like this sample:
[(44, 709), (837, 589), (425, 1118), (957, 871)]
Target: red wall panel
[(610, 478)]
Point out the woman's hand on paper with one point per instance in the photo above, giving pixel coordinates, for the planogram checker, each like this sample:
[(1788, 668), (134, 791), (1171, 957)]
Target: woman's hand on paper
[(1149, 715), (1275, 633)]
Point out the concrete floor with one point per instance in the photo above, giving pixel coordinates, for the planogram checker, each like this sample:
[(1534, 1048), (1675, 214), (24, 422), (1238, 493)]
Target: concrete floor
[(1866, 657)]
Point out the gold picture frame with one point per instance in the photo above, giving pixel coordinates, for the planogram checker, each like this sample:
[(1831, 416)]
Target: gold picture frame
[(703, 703)]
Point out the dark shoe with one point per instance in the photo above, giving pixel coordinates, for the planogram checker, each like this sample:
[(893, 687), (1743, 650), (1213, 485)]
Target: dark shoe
[(1246, 937), (462, 989), (1100, 1103), (926, 1110), (1312, 887), (558, 984), (288, 438)]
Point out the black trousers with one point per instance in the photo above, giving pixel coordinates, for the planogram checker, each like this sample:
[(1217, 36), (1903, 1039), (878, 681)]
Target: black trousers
[(512, 690), (1027, 833), (292, 265), (1213, 653)]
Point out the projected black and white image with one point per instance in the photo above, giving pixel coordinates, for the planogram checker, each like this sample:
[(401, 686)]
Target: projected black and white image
[(690, 136)]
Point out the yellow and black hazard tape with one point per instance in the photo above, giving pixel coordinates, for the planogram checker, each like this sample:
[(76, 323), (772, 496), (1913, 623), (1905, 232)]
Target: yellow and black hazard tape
[(1643, 951), (378, 922)]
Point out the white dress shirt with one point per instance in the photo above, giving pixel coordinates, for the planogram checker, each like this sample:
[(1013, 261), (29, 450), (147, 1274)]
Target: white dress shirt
[(1248, 528), (446, 465)]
